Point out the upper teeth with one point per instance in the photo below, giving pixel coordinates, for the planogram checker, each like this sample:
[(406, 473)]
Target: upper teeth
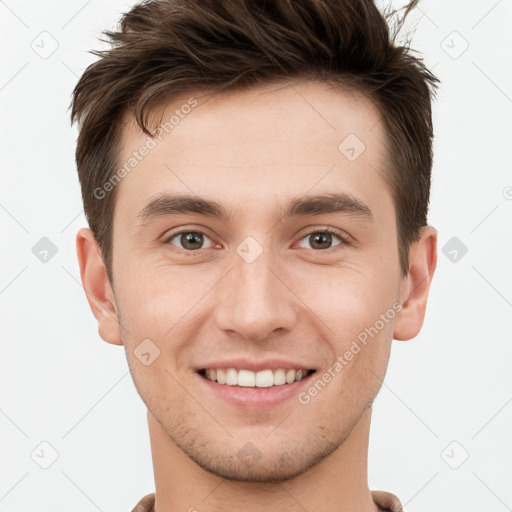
[(248, 378)]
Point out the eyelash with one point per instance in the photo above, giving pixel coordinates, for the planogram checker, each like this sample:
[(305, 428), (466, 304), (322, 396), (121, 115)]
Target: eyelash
[(344, 240)]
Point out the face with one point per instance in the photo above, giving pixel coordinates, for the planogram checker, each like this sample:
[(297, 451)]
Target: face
[(294, 258)]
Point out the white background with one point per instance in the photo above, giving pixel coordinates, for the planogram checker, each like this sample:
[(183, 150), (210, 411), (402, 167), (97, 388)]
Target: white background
[(61, 384)]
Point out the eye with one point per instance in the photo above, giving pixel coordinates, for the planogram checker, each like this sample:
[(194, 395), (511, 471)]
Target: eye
[(193, 241), (189, 240), (322, 239)]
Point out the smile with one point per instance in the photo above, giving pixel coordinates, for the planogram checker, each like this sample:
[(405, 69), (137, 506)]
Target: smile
[(261, 379)]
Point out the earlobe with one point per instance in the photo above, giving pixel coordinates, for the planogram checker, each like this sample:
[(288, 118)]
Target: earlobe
[(97, 286), (415, 286)]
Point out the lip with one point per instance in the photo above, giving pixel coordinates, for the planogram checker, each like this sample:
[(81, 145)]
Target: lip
[(255, 365), (255, 398)]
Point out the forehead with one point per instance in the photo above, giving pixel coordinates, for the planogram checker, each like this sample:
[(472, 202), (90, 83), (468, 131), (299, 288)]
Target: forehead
[(252, 147)]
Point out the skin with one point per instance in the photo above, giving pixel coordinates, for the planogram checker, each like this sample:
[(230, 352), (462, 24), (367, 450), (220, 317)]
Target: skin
[(253, 151)]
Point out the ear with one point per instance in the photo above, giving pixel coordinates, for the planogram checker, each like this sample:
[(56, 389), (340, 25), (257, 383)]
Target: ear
[(415, 286), (97, 286)]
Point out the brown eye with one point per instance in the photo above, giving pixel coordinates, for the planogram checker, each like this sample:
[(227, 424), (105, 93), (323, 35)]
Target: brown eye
[(323, 239), (189, 240)]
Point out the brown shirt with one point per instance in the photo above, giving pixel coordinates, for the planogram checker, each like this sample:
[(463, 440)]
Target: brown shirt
[(384, 500)]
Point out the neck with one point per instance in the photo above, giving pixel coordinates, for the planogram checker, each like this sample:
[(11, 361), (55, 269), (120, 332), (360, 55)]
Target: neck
[(336, 484)]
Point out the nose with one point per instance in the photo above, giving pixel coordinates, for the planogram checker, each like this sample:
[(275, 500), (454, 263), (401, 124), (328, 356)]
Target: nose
[(255, 300)]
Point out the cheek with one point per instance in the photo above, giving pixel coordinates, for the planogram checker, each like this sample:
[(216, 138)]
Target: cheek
[(350, 299), (156, 299), (164, 307), (357, 307)]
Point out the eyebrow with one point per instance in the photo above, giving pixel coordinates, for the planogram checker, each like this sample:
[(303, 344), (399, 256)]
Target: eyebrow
[(339, 202)]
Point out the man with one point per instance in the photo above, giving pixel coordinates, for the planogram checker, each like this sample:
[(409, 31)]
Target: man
[(256, 178)]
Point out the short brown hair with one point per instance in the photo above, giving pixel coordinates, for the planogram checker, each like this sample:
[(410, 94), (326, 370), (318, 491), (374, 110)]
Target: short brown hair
[(167, 47)]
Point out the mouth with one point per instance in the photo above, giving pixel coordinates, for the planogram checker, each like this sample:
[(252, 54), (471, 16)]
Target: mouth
[(251, 384), (243, 378)]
